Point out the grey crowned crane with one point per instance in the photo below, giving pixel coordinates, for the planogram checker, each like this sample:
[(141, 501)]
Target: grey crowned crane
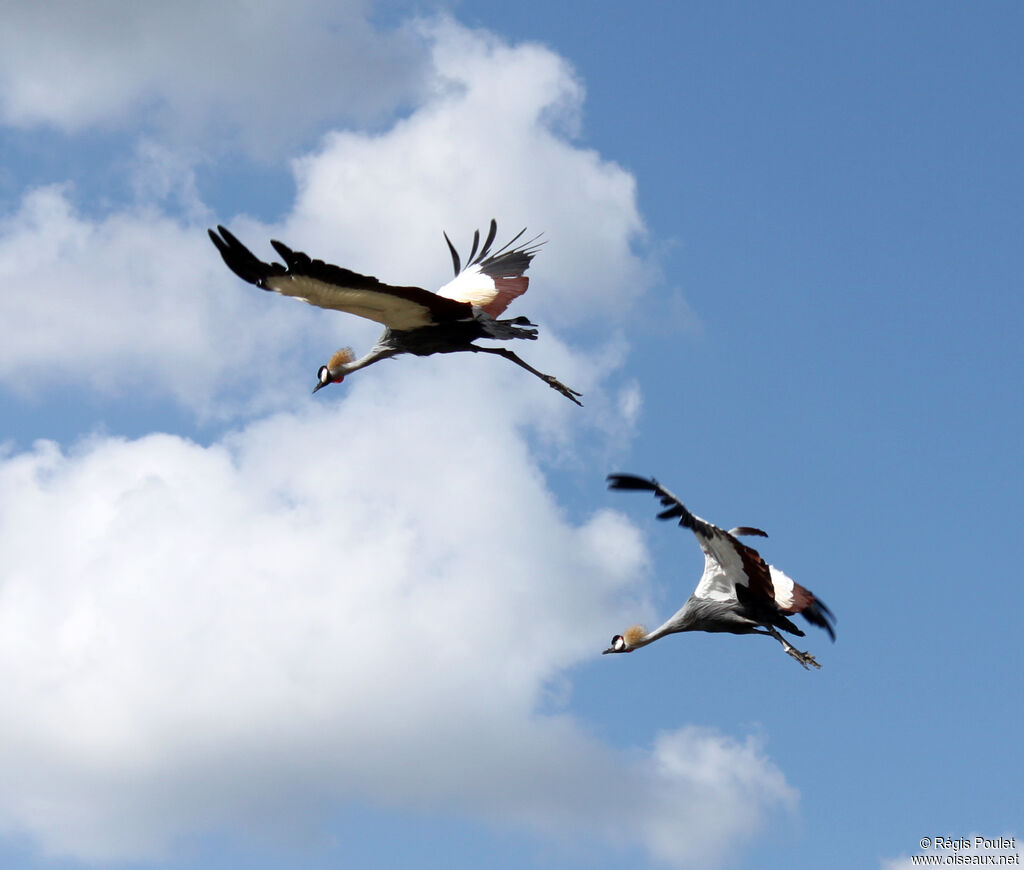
[(415, 320), (738, 593)]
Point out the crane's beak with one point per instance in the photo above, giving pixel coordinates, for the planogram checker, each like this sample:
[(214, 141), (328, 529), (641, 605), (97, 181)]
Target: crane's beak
[(320, 385)]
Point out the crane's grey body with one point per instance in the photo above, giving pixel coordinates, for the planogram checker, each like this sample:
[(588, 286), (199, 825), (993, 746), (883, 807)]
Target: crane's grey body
[(454, 337), (703, 614)]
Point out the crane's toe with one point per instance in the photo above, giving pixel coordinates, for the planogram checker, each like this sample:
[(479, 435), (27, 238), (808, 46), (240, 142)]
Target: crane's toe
[(805, 658), (563, 389)]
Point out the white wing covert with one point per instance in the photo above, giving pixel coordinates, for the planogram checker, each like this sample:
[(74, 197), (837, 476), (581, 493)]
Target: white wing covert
[(490, 281)]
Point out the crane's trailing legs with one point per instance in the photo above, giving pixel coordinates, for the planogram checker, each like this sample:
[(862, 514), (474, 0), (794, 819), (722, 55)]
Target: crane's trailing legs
[(550, 380), (805, 658)]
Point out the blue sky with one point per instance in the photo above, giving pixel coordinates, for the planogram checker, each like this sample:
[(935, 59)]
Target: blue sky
[(241, 625)]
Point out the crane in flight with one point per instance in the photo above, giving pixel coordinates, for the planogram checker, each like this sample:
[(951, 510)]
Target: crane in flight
[(738, 593), (415, 320)]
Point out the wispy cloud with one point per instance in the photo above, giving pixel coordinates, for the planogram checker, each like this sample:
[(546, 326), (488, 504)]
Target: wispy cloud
[(228, 75)]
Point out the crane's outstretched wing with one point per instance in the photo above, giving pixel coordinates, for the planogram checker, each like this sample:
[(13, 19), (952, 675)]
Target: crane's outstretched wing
[(727, 562), (327, 286), (491, 281)]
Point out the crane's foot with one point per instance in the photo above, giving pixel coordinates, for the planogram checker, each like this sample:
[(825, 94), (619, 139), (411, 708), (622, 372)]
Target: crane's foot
[(563, 389), (805, 658)]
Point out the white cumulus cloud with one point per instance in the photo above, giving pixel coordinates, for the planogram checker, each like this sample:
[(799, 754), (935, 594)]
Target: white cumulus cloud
[(130, 301), (367, 601)]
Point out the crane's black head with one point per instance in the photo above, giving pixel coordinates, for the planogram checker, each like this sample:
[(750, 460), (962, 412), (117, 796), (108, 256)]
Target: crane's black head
[(323, 378), (338, 364), (618, 645), (635, 636)]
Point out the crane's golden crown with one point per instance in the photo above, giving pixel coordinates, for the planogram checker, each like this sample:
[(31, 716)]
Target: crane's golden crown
[(634, 634), (340, 358)]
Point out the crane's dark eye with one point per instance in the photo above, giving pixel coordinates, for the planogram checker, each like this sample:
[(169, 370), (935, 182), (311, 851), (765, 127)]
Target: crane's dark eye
[(322, 375)]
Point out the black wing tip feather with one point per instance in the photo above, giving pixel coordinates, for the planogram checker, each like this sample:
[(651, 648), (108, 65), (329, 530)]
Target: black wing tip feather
[(508, 259), (225, 242), (476, 244), (748, 530), (225, 238), (632, 481), (282, 249), (456, 262), (673, 506), (817, 613), (473, 258), (239, 259), (300, 263), (219, 243), (491, 233)]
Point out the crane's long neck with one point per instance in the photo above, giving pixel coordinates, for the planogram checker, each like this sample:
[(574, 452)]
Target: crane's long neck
[(381, 350), (680, 621)]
